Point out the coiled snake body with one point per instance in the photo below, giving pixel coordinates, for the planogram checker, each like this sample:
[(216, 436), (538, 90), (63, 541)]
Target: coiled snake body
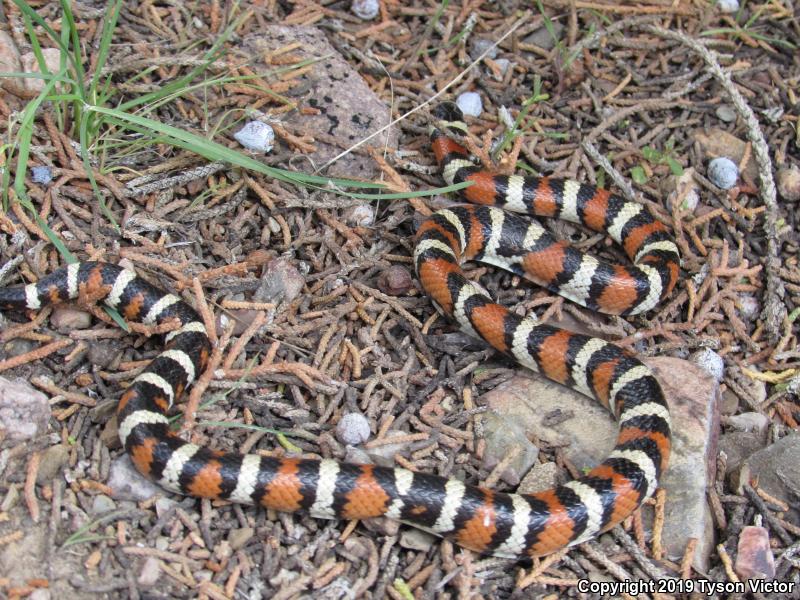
[(503, 524)]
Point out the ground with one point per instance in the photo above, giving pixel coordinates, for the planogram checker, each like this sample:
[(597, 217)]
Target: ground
[(310, 275)]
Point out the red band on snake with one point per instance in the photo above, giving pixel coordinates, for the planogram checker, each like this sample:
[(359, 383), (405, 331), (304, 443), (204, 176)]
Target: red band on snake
[(480, 519)]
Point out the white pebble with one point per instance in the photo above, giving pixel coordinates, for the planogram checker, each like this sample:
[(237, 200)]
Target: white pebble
[(256, 136), (353, 429), (723, 172), (470, 104), (365, 9), (710, 361), (728, 6), (362, 215), (481, 45)]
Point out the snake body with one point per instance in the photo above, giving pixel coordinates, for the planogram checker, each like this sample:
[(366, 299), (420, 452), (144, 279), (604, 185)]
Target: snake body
[(510, 525)]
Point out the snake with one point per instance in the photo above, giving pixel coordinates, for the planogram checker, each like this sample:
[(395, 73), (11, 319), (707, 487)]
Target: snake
[(486, 230)]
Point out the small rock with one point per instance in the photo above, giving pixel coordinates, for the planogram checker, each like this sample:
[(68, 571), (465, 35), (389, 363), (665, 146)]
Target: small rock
[(150, 573), (30, 64), (356, 456), (738, 446), (362, 215), (40, 594), (788, 180), (242, 319), (164, 505), (709, 361), (729, 404), (395, 281), (67, 318), (353, 429), (778, 470), (42, 174), (162, 542), (127, 483), (470, 104), (748, 307), (749, 421), (281, 281), (102, 504), (10, 63), (754, 559), (481, 45), (416, 539), (383, 455), (24, 410), (543, 39), (110, 434), (256, 136), (503, 435), (684, 187), (52, 461), (723, 172), (503, 64), (102, 354), (541, 477), (365, 9), (382, 526), (728, 6), (237, 538), (356, 547), (725, 112), (718, 142)]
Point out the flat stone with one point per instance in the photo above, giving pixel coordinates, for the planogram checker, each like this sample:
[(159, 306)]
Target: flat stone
[(754, 559), (68, 318), (540, 478), (342, 104), (416, 539), (102, 504), (150, 573), (777, 468), (587, 433), (52, 462), (127, 483), (24, 410), (504, 435), (738, 446), (237, 538)]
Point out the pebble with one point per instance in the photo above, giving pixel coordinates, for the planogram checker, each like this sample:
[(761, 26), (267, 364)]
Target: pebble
[(754, 557), (541, 477), (723, 172), (67, 318), (353, 429), (127, 483), (416, 539), (150, 573), (356, 456), (24, 410), (748, 306), (365, 9), (788, 179), (102, 504), (728, 6), (542, 38), (256, 136), (395, 281), (726, 113), (30, 64), (749, 421), (362, 215), (40, 594), (281, 281), (470, 103), (42, 174), (163, 505), (481, 45), (237, 538), (709, 361), (52, 461)]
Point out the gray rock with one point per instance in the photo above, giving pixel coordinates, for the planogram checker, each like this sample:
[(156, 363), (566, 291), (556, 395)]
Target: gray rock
[(723, 172), (777, 469), (52, 462), (347, 109), (502, 435), (281, 282), (709, 361), (24, 410), (587, 432), (416, 539), (754, 559), (237, 538), (540, 478), (725, 112), (353, 429), (150, 573), (127, 483), (543, 39), (748, 421), (102, 504), (738, 446), (256, 136), (67, 318), (383, 455)]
